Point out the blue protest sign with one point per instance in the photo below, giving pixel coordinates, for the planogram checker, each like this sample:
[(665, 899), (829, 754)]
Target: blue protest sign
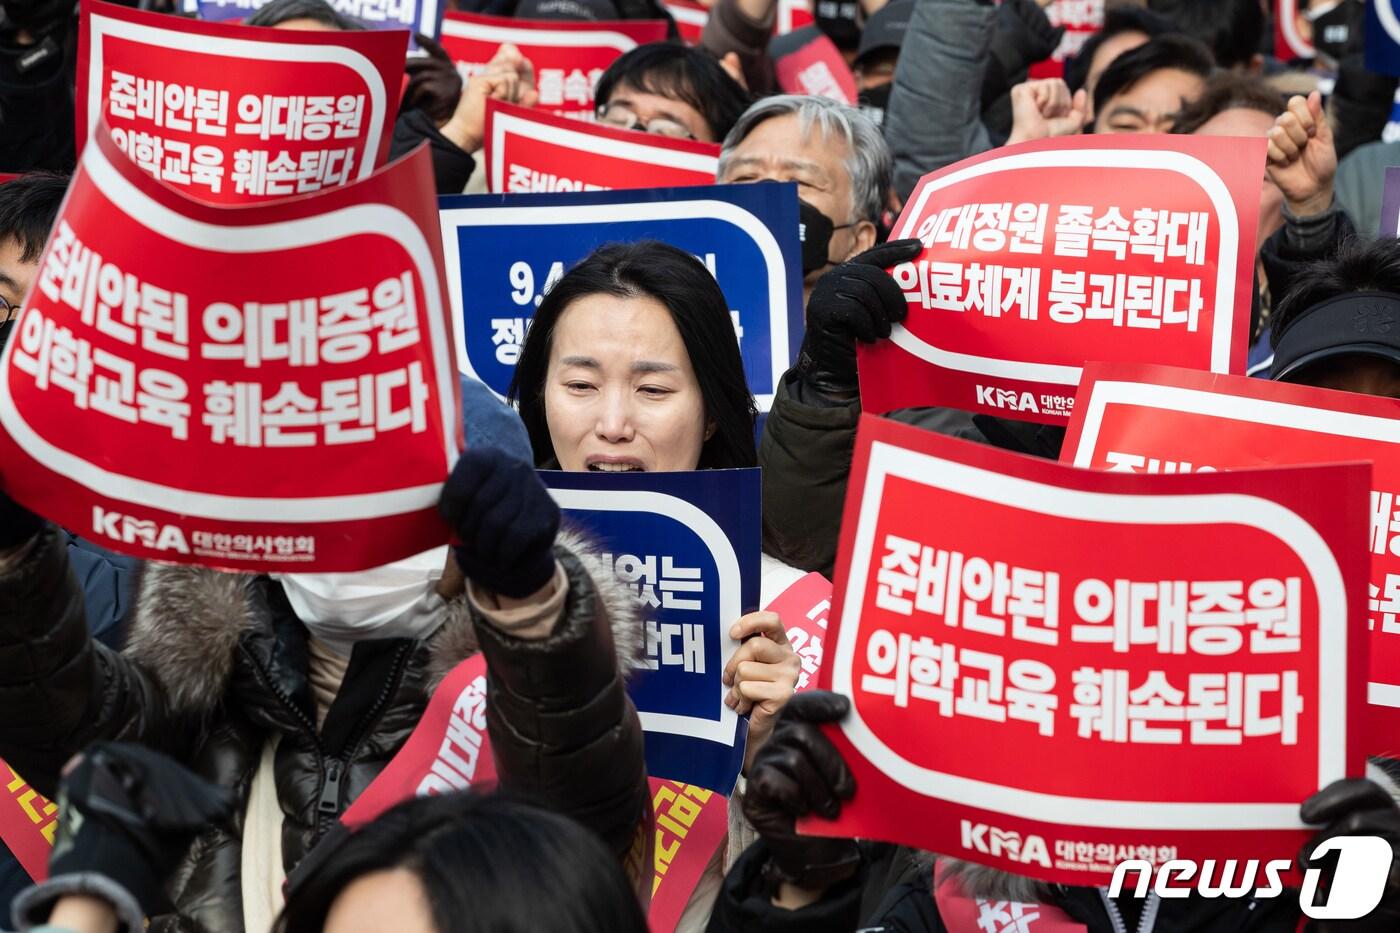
[(1382, 37), (503, 252), (418, 16), (689, 545)]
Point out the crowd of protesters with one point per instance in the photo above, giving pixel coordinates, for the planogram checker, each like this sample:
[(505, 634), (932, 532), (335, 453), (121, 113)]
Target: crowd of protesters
[(203, 730)]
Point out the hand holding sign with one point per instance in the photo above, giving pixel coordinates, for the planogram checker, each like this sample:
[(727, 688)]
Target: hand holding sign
[(798, 773), (855, 301), (1302, 157), (509, 77), (761, 676)]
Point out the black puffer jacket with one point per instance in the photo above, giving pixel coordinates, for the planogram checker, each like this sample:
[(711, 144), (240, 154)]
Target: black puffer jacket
[(216, 664)]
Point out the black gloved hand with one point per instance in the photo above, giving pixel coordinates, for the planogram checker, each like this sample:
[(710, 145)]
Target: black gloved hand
[(130, 813), (434, 86), (796, 773), (857, 300), (17, 524), (504, 518), (1356, 807)]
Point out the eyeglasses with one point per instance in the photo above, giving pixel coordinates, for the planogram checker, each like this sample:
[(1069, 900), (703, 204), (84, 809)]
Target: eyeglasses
[(624, 118), (7, 310)]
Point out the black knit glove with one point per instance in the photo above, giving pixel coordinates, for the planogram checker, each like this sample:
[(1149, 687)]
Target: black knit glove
[(17, 524), (797, 772), (1356, 807), (857, 300), (504, 518), (130, 813)]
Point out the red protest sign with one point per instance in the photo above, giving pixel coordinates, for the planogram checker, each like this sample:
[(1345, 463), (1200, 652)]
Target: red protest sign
[(804, 608), (449, 749), (1081, 19), (1289, 43), (816, 68), (691, 825), (792, 16), (264, 388), (569, 58), (1058, 663), (527, 150), (1041, 256), (690, 18), (1157, 419), (236, 114)]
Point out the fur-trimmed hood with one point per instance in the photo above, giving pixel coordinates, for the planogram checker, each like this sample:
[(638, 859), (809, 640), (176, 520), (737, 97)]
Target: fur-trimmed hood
[(188, 621)]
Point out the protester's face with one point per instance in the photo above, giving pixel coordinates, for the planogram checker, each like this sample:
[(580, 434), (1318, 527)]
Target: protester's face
[(1106, 53), (620, 393), (16, 275), (777, 150), (629, 107), (1150, 105), (383, 900), (302, 24), (1241, 121), (1367, 375)]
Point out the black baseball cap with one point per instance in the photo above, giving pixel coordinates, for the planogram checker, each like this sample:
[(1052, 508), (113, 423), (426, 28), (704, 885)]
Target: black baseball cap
[(886, 28), (1359, 323)]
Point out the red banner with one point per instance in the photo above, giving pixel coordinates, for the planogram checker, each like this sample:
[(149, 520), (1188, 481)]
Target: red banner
[(1289, 44), (804, 608), (267, 388), (1081, 19), (1041, 256), (690, 18), (527, 150), (792, 16), (28, 821), (1044, 662), (236, 114), (1156, 419), (816, 69), (692, 823), (569, 58)]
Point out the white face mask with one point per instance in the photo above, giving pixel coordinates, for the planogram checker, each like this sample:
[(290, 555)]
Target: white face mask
[(397, 600)]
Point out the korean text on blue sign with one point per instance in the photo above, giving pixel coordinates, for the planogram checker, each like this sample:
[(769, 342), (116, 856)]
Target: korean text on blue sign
[(504, 252), (689, 547), (419, 16)]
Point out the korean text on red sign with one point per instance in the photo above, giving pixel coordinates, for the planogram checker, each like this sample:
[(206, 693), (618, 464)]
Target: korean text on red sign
[(1156, 419), (268, 388), (1041, 256), (237, 114), (1053, 670), (569, 58), (527, 150)]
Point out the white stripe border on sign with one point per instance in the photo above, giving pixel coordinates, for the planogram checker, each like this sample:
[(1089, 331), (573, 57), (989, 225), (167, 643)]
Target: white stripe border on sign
[(560, 38)]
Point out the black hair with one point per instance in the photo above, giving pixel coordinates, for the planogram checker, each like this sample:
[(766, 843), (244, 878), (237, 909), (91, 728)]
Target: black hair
[(1230, 28), (1171, 51), (650, 269), (1229, 90), (1116, 22), (28, 207), (678, 72), (1359, 265), (280, 11), (487, 864)]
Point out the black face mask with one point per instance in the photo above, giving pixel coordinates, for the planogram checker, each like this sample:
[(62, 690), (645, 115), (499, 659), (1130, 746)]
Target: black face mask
[(839, 20), (1333, 30), (875, 101), (815, 230)]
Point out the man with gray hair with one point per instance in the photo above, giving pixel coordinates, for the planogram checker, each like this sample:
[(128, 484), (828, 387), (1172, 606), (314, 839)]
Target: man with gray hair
[(843, 172), (840, 163)]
